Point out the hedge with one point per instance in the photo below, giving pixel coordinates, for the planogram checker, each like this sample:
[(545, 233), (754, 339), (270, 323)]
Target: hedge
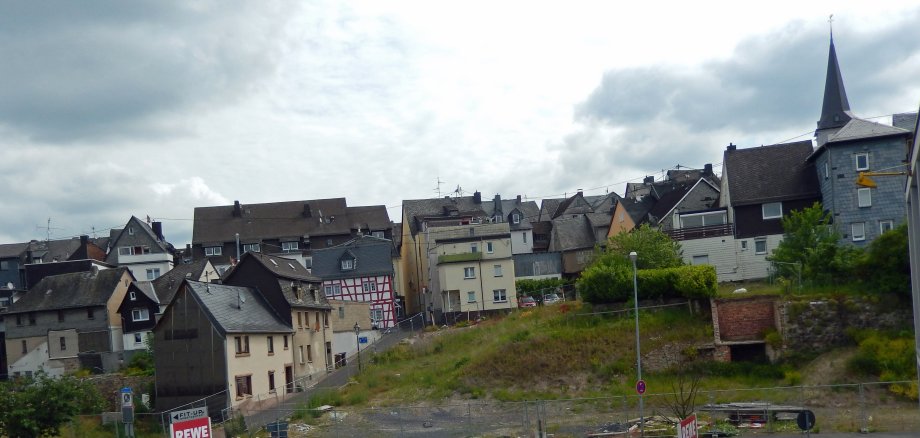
[(614, 282)]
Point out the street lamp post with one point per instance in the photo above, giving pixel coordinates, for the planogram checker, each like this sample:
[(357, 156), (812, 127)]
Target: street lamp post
[(633, 256), (358, 343)]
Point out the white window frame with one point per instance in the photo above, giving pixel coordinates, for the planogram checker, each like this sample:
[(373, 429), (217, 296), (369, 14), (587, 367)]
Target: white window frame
[(348, 264), (700, 257), (290, 246), (469, 272), (858, 236), (141, 314), (125, 250), (856, 158), (499, 296), (763, 210), (758, 251), (864, 197), (515, 218), (331, 290), (252, 247), (490, 248), (210, 251), (885, 226), (153, 273), (369, 286), (721, 214), (376, 316), (474, 248), (471, 297), (497, 270), (744, 245), (138, 339)]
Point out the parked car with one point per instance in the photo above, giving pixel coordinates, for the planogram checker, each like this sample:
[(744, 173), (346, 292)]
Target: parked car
[(551, 299), (527, 302)]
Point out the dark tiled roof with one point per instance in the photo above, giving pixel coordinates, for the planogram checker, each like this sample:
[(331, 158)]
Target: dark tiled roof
[(168, 284), (835, 110), (669, 199), (222, 303), (82, 289), (9, 250), (288, 273), (572, 233), (142, 227), (770, 173), (146, 287), (373, 256), (283, 268), (318, 217), (638, 210), (415, 210)]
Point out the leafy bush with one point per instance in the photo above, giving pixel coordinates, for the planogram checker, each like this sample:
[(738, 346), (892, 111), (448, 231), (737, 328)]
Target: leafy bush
[(536, 288), (39, 406), (612, 282), (885, 266)]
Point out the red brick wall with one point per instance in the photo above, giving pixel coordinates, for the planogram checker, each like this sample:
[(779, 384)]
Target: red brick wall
[(744, 319)]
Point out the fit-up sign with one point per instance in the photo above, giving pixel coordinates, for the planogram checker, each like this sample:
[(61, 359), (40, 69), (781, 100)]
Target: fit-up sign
[(197, 428)]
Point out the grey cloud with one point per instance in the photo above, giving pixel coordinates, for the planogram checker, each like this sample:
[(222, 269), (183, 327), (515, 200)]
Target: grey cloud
[(90, 71)]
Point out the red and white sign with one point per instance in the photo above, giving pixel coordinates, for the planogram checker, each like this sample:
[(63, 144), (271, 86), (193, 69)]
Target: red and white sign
[(687, 427), (197, 428)]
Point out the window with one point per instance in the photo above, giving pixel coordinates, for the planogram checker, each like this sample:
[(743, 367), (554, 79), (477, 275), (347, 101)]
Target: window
[(242, 345), (773, 210), (63, 342), (325, 319), (300, 319), (864, 197), (271, 345), (19, 319), (252, 247), (60, 316), (701, 259), (89, 314), (378, 234), (469, 272), (341, 312), (370, 286), (328, 242), (285, 342), (827, 170), (348, 264), (744, 245), (25, 347), (489, 248), (498, 270), (4, 265), (138, 339), (31, 319), (213, 251), (885, 226), (471, 297), (515, 218), (499, 296), (290, 246), (524, 235), (130, 231), (271, 380), (760, 246), (140, 315), (472, 231), (474, 247), (332, 290), (243, 386), (125, 251), (309, 353), (153, 273), (858, 231), (702, 219), (376, 316), (133, 296), (300, 350), (862, 161)]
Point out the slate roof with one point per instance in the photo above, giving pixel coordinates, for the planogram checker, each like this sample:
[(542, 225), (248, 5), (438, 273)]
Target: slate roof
[(906, 121), (142, 227), (146, 287), (770, 173), (288, 272), (858, 129), (318, 217), (416, 210), (222, 305), (66, 291), (638, 210), (10, 250), (572, 233), (166, 285), (373, 256), (835, 109)]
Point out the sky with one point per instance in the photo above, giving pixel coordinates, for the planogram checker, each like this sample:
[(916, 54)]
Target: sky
[(110, 109)]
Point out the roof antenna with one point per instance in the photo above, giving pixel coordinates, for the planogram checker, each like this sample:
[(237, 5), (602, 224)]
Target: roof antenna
[(438, 188)]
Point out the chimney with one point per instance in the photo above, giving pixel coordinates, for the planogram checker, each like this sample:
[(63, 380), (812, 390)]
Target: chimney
[(237, 210), (648, 180), (84, 239), (518, 199), (731, 147), (707, 169), (306, 210), (158, 230), (477, 197)]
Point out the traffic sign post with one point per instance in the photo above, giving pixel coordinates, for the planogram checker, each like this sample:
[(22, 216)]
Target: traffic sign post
[(190, 423), (127, 410)]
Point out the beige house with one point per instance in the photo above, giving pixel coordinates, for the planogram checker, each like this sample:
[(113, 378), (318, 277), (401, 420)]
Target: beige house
[(472, 270)]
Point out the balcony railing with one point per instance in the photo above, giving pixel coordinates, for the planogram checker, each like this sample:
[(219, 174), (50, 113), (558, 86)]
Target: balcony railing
[(701, 232)]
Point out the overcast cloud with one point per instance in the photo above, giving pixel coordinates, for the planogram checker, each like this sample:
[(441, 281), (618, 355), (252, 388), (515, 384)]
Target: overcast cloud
[(113, 109)]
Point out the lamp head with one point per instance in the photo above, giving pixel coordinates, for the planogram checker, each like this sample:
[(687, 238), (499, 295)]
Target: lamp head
[(357, 328), (633, 256)]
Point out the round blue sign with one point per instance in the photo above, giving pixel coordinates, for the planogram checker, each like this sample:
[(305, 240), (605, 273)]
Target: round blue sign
[(640, 387)]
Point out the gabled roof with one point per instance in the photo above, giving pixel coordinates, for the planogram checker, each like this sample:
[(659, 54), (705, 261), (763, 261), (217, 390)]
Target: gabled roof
[(858, 129), (638, 210), (416, 211), (66, 291), (289, 274), (146, 288), (142, 228), (10, 250), (167, 284), (283, 268), (373, 256), (770, 173), (223, 306), (835, 110), (318, 217), (572, 233)]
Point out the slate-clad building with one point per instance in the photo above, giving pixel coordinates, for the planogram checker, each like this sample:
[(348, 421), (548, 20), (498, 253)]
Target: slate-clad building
[(222, 342), (361, 270), (142, 248)]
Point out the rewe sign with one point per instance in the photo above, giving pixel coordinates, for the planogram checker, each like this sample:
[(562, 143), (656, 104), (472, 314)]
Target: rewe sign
[(687, 428), (197, 428)]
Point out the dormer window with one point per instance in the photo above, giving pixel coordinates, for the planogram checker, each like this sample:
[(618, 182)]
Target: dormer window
[(515, 218), (213, 251), (348, 264), (289, 246), (378, 234), (252, 247)]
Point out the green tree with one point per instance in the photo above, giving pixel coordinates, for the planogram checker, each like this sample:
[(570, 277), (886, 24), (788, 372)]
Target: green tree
[(38, 406), (885, 266), (811, 243), (536, 288), (654, 248)]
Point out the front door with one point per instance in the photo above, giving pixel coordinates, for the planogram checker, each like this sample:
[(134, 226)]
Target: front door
[(329, 356), (289, 378)]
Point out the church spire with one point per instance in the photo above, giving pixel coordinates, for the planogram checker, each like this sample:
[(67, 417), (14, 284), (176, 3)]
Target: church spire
[(836, 109)]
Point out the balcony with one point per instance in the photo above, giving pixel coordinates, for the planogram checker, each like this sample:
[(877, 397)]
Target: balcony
[(701, 232)]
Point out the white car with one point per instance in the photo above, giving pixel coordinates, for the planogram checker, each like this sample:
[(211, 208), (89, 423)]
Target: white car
[(551, 299)]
